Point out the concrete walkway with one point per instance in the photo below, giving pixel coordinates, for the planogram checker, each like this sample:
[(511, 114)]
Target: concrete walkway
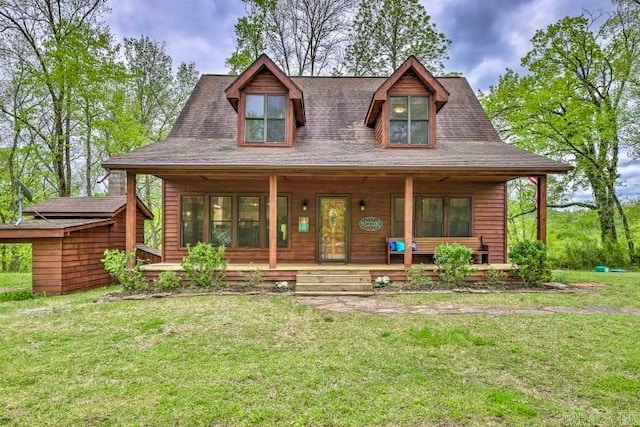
[(350, 304)]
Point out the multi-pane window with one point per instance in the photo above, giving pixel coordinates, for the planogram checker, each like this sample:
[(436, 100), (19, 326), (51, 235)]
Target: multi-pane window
[(435, 216), (234, 221), (265, 118), (248, 222), (220, 220), (192, 214), (409, 120)]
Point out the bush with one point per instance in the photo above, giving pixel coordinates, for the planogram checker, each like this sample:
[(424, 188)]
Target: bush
[(530, 258), (494, 277), (205, 265), (454, 263), (167, 281), (585, 253), (254, 278), (417, 278), (116, 262), (19, 295)]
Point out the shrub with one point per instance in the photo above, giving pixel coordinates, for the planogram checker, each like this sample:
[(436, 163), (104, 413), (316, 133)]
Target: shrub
[(454, 263), (417, 278), (530, 258), (205, 265), (494, 277), (167, 281), (19, 295), (254, 277), (585, 253), (116, 262)]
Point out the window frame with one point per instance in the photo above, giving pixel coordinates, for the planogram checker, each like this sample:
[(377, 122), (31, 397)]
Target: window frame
[(409, 120), (235, 200), (418, 217), (242, 121)]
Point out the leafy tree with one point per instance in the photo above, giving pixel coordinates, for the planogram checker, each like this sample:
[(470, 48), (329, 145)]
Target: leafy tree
[(304, 37), (56, 42), (154, 96), (571, 105), (385, 33)]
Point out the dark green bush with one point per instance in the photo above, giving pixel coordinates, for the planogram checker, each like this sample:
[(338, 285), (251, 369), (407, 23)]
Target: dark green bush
[(167, 281), (454, 263), (116, 262), (418, 279), (205, 265), (530, 258), (19, 295)]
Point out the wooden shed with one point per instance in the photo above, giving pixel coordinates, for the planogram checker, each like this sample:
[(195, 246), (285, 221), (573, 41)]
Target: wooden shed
[(69, 236)]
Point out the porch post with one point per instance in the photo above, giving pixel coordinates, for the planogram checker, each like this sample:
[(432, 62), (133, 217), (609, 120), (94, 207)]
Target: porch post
[(131, 208), (273, 221), (541, 203), (408, 220)]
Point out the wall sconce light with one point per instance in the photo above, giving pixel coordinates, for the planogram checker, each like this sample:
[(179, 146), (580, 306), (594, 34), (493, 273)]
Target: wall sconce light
[(362, 205), (305, 206)]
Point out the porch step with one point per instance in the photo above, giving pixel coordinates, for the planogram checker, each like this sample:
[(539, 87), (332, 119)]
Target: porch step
[(338, 282)]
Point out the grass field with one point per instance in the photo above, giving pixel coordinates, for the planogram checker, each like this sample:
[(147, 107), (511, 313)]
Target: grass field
[(251, 360), (15, 280)]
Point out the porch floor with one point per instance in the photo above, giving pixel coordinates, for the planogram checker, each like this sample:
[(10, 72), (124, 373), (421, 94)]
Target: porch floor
[(239, 267)]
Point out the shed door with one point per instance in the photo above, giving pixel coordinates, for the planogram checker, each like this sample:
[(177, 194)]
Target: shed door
[(333, 218)]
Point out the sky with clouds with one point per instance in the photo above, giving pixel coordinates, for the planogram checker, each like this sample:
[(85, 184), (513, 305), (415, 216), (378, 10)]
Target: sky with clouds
[(487, 36)]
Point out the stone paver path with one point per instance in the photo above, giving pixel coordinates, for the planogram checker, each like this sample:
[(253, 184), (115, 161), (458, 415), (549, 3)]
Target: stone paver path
[(350, 304)]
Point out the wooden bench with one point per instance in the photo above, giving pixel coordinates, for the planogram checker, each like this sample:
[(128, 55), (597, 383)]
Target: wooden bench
[(427, 246)]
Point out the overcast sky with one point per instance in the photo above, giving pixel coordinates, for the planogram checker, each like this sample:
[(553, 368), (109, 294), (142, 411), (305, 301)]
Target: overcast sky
[(487, 35)]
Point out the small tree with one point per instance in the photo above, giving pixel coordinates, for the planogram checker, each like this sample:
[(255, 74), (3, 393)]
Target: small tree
[(530, 258), (454, 263), (116, 262), (205, 265)]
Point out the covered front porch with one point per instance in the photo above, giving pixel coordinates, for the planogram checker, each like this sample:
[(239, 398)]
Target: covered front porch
[(394, 205), (316, 279)]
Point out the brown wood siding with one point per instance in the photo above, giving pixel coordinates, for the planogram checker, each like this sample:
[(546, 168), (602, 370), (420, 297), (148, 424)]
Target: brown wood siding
[(265, 82), (81, 254), (366, 247), (408, 84), (46, 264)]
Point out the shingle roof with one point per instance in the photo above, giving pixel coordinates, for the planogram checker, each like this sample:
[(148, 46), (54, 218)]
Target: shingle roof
[(204, 136), (34, 229), (86, 207)]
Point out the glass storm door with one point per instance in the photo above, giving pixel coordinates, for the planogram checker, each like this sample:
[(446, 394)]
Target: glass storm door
[(333, 220)]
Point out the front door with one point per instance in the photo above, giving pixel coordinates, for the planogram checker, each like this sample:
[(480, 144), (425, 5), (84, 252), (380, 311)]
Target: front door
[(333, 239)]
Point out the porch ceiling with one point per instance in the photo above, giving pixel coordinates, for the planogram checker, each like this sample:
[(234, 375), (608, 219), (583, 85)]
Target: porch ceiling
[(466, 175)]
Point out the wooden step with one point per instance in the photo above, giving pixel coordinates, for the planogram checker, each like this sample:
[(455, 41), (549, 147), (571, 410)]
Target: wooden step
[(346, 287), (333, 278), (333, 293), (334, 282)]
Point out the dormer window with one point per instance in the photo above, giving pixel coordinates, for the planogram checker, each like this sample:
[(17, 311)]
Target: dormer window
[(409, 120), (265, 118)]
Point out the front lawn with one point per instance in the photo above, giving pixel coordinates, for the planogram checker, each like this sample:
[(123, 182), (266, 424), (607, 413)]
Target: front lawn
[(255, 360)]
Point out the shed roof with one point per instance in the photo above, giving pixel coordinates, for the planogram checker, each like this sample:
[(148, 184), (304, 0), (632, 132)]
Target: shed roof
[(85, 207), (48, 228), (335, 135)]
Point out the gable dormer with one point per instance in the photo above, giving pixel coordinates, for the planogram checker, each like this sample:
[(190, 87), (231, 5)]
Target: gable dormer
[(403, 109), (269, 104)]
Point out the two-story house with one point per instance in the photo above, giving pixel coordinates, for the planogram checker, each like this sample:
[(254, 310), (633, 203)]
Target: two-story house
[(282, 169)]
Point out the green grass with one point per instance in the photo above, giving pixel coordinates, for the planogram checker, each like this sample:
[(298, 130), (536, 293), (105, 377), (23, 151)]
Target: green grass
[(15, 280), (623, 290), (251, 360)]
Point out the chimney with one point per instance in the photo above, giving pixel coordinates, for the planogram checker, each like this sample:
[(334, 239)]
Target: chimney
[(117, 183)]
